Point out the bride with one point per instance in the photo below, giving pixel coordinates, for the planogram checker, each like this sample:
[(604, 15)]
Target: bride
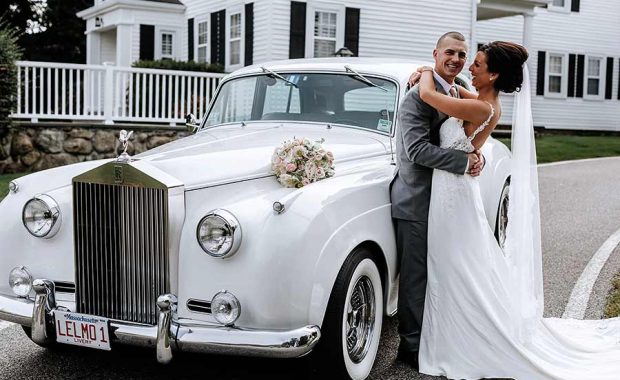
[(484, 305)]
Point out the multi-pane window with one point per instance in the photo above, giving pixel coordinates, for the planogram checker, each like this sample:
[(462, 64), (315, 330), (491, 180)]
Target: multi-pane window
[(235, 39), (560, 5), (555, 73), (166, 45), (203, 35), (325, 27), (593, 76)]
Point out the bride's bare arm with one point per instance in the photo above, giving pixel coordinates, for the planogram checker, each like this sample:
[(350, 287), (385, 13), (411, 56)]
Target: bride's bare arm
[(466, 94), (472, 110)]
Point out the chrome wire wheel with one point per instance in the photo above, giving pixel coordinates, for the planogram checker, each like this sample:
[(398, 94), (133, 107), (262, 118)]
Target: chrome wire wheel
[(502, 215), (360, 319)]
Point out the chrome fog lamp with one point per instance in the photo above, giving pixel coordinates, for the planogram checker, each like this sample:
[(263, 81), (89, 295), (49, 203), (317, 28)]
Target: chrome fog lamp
[(219, 233), (225, 308), (41, 216), (20, 281)]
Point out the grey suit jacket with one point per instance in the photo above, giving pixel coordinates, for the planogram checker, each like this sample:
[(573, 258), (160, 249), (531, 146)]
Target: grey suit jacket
[(418, 153)]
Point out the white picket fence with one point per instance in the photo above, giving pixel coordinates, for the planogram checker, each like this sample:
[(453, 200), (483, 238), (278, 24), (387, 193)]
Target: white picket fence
[(107, 93)]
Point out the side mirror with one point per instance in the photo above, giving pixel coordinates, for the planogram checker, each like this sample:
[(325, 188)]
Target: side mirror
[(191, 123)]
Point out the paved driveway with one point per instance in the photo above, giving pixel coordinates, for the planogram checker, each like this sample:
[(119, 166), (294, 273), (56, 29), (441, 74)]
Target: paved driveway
[(580, 206)]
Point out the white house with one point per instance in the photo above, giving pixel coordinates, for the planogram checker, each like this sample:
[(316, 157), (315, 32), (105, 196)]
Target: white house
[(574, 62), (570, 38)]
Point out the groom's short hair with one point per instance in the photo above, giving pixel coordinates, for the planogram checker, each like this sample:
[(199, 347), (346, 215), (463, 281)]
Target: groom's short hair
[(454, 35)]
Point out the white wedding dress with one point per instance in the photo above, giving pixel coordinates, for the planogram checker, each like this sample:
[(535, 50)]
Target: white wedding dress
[(474, 325)]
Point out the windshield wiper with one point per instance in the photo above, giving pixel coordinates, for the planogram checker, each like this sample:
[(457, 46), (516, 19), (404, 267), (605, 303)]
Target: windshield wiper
[(363, 78), (274, 74)]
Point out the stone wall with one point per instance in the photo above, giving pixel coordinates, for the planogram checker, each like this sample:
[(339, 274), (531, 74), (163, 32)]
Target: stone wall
[(28, 149)]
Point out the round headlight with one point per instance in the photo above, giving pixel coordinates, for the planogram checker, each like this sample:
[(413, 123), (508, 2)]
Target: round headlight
[(219, 233), (41, 216), (225, 308), (20, 281)]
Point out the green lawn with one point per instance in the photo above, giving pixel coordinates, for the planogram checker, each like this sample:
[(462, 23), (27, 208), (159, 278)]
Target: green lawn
[(550, 148), (4, 183), (613, 302)]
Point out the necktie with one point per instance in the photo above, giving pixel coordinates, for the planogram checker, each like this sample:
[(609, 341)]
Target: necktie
[(453, 92)]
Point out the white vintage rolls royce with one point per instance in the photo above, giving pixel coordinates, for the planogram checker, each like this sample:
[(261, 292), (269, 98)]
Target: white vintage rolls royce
[(195, 246)]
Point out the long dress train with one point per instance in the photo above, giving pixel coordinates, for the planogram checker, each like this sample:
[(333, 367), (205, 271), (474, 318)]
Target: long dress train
[(473, 322)]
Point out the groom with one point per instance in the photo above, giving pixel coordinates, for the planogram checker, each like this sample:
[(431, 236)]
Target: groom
[(418, 154)]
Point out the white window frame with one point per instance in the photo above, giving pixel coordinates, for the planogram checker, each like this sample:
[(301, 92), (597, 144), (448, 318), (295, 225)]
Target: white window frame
[(314, 7), (229, 13), (601, 78), (158, 41), (562, 9), (564, 75), (196, 39)]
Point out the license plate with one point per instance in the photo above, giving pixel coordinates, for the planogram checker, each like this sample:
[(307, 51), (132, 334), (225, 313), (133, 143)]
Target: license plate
[(82, 330)]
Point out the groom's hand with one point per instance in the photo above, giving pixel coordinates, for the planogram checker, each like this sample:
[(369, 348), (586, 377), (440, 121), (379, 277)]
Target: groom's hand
[(476, 164)]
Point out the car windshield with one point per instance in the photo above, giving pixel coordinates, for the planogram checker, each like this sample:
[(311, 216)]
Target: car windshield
[(324, 98)]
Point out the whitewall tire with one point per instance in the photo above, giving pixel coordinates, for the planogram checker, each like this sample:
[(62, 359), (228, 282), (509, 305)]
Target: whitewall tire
[(352, 325)]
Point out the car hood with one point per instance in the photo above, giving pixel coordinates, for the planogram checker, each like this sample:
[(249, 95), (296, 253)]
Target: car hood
[(239, 152)]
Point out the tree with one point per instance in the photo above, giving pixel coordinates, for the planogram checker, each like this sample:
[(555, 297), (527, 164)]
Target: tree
[(63, 39), (48, 30), (9, 53)]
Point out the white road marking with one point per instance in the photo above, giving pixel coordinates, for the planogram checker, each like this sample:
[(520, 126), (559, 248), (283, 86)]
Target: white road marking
[(5, 324), (577, 161), (578, 301)]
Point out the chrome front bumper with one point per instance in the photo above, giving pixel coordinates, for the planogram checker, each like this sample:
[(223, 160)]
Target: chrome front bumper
[(169, 335)]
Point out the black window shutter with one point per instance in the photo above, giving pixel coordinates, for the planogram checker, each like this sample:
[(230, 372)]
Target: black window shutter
[(574, 7), (540, 77), (218, 37), (190, 39), (147, 42), (618, 79), (580, 67), (297, 43), (609, 77), (352, 30), (249, 34), (571, 75)]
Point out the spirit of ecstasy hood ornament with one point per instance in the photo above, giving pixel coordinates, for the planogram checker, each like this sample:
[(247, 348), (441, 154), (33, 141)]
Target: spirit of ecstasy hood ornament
[(124, 139)]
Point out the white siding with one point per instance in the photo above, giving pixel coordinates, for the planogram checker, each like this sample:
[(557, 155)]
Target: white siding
[(162, 20), (594, 30), (388, 28), (199, 9)]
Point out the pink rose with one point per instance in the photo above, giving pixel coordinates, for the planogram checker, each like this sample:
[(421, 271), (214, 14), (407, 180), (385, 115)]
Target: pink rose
[(291, 167)]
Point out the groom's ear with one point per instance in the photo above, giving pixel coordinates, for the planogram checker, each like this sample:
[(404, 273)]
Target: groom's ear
[(435, 52)]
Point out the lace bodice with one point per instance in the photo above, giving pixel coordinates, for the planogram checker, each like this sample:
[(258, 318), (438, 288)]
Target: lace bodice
[(452, 135)]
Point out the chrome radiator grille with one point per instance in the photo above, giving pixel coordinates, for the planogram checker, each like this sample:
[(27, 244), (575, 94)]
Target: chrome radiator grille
[(121, 250)]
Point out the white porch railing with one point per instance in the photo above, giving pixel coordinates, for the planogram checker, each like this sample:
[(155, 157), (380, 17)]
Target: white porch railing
[(63, 91)]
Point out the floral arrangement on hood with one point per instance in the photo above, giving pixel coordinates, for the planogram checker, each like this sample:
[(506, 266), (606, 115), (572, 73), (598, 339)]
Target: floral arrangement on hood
[(300, 162)]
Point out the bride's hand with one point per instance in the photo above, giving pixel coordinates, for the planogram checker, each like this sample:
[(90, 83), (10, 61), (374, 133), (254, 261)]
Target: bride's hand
[(416, 75)]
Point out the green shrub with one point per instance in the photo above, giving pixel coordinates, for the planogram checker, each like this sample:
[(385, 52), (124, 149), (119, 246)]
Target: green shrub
[(168, 64), (9, 53)]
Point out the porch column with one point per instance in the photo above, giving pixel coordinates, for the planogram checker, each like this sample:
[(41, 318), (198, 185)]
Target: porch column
[(123, 45), (93, 48), (528, 27)]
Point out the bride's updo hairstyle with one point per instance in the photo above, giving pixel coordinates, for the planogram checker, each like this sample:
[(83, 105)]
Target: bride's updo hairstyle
[(506, 59)]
